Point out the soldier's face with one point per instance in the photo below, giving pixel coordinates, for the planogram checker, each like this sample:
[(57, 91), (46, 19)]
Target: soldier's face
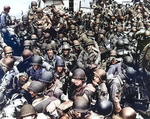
[(96, 79), (50, 53), (78, 82), (34, 7), (25, 21), (59, 69), (65, 52), (89, 47), (8, 55), (36, 67), (77, 114), (32, 93), (22, 80)]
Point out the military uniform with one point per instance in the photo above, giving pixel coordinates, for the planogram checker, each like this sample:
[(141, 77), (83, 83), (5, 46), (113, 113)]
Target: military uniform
[(86, 58), (52, 61), (115, 85), (35, 75), (70, 61), (80, 91)]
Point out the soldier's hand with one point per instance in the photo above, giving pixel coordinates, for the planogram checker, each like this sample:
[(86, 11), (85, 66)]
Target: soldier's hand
[(65, 105), (92, 66), (25, 86)]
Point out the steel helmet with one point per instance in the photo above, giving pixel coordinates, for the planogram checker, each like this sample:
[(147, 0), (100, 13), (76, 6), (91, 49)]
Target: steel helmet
[(128, 60), (36, 60), (47, 36), (81, 105), (79, 74), (27, 43), (47, 77), (89, 42), (104, 107), (7, 7), (8, 49), (33, 3), (33, 37), (101, 74), (130, 73), (66, 46), (27, 110), (43, 46), (49, 46), (60, 62), (26, 54), (113, 53), (25, 18), (8, 62), (36, 87)]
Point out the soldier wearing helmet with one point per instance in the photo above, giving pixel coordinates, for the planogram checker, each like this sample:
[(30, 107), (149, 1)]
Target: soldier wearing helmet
[(5, 18), (32, 12), (7, 65), (81, 109), (77, 48), (52, 85), (89, 59), (115, 84), (24, 29), (46, 104), (99, 83), (50, 56), (25, 64), (72, 35), (61, 75), (68, 57), (28, 111), (8, 52), (36, 69), (79, 86), (42, 21)]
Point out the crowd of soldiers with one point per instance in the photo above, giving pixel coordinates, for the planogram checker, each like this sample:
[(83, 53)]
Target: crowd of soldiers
[(60, 64)]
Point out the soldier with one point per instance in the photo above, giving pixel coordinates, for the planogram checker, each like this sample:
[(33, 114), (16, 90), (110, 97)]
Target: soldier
[(32, 12), (41, 103), (5, 21), (127, 112), (79, 87), (7, 65), (115, 84), (50, 57), (36, 70), (77, 48), (27, 44), (101, 91), (62, 75), (11, 109), (5, 18), (104, 107), (28, 111), (25, 64), (89, 59), (72, 35), (115, 67), (81, 107), (68, 57), (24, 29)]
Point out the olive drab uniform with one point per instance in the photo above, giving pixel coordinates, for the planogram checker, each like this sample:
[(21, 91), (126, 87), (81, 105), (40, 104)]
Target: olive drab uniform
[(42, 23), (86, 58), (70, 61), (114, 85), (84, 89)]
